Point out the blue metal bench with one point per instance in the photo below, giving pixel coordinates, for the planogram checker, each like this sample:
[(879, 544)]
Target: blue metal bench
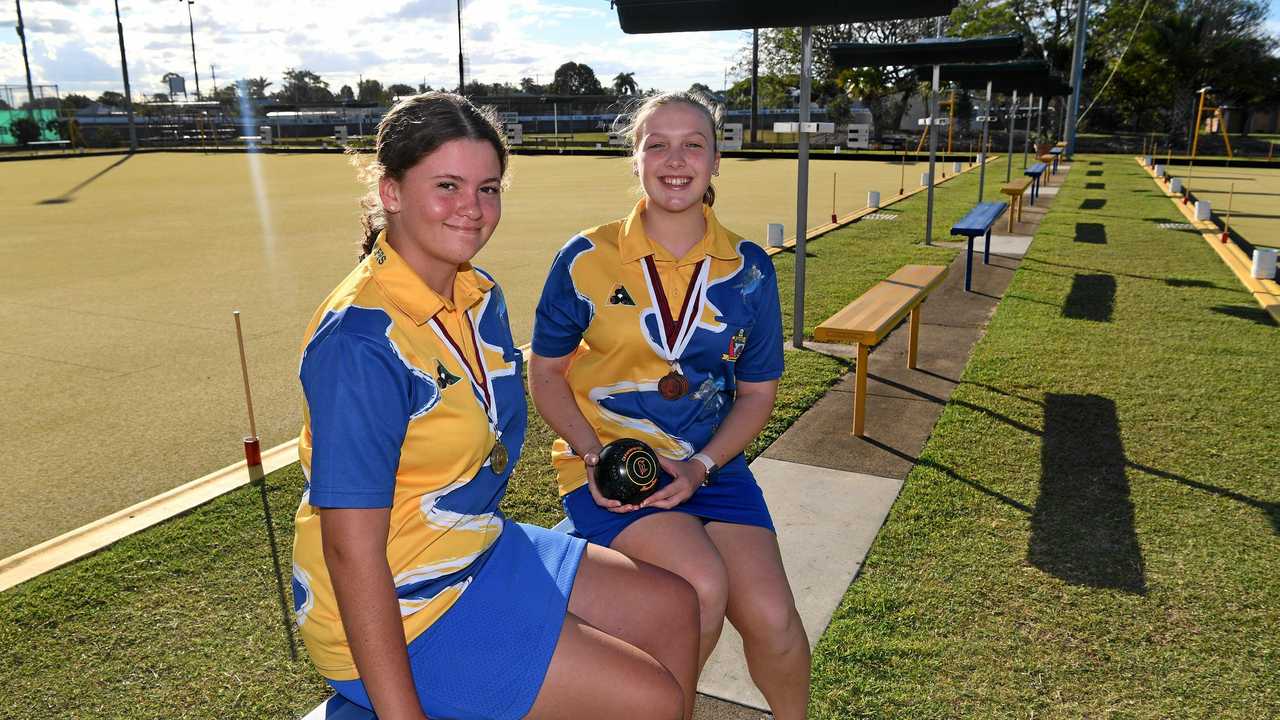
[(1057, 155), (339, 708), (977, 222), (1034, 172)]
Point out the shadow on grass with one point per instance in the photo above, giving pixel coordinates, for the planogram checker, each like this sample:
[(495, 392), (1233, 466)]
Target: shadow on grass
[(1093, 173), (1092, 297), (1093, 233), (1269, 508), (1093, 204), (1172, 282), (1082, 527), (1245, 312), (1095, 186), (69, 195)]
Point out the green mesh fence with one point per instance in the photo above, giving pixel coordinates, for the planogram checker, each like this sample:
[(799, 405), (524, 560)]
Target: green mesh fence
[(47, 119)]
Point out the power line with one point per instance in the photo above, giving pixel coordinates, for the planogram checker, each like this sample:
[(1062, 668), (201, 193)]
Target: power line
[(1119, 61)]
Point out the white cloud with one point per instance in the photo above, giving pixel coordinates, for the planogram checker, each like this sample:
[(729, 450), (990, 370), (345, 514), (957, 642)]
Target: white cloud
[(73, 43)]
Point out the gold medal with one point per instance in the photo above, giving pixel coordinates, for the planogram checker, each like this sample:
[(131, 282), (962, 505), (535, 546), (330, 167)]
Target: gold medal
[(498, 458)]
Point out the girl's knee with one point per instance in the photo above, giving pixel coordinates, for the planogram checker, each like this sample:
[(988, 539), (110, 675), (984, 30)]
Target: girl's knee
[(776, 623), (710, 581)]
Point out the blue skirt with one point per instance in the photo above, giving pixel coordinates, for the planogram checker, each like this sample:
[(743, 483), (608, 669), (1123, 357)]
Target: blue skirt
[(733, 496), (488, 655)]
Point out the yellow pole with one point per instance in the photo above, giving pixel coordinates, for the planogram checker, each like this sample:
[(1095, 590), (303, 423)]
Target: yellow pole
[(1222, 125), (1226, 225), (951, 114), (1195, 142)]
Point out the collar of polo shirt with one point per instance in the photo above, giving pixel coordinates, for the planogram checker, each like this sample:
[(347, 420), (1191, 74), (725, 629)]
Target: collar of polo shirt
[(411, 294), (636, 244)]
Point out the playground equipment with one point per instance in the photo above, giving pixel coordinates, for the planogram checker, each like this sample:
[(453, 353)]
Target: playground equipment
[(1217, 124)]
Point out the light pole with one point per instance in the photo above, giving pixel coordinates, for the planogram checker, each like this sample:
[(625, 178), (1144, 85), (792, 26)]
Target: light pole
[(194, 67), (31, 95), (124, 71), (462, 83)]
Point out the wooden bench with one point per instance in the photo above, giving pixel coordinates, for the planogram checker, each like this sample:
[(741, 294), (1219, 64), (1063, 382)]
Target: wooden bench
[(1047, 159), (1015, 190), (1034, 172), (977, 221), (867, 320)]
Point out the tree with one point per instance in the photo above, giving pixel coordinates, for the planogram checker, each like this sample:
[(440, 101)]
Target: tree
[(774, 92), (346, 94), (885, 90), (701, 89), (73, 102), (257, 87), (371, 91), (399, 90), (111, 98), (573, 78), (25, 130), (625, 84), (303, 86), (531, 87), (160, 98)]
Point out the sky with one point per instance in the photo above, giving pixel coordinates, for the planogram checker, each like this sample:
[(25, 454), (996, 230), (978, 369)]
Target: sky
[(73, 43)]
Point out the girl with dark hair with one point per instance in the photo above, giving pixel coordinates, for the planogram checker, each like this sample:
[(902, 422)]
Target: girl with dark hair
[(665, 327), (415, 596)]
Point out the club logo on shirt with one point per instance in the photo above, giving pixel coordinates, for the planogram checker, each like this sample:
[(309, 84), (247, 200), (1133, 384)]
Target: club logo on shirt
[(443, 376), (620, 296), (379, 256), (736, 343)]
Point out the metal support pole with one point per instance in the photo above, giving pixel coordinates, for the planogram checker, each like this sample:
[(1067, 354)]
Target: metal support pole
[(194, 67), (982, 167), (802, 188), (128, 95), (755, 83), (933, 153), (1013, 112), (1026, 136), (1077, 72), (1039, 117)]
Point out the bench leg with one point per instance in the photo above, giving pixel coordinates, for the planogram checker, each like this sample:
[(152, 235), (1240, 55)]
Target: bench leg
[(914, 338), (1012, 210), (986, 250), (860, 392), (968, 261)]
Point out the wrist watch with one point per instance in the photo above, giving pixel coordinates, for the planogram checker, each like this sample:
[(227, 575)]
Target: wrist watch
[(709, 464)]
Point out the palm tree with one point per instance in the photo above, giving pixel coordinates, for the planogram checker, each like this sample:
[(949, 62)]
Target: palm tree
[(625, 84)]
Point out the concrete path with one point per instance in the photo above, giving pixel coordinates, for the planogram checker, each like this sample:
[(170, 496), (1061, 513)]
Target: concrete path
[(829, 491)]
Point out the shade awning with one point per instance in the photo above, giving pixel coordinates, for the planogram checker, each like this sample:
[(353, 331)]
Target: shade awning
[(1024, 76), (661, 16), (930, 51)]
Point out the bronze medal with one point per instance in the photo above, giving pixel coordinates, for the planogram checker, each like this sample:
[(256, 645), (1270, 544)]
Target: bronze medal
[(673, 386), (498, 458)]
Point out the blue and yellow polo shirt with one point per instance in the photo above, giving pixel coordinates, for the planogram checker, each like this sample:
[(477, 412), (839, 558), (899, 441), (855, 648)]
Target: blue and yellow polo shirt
[(393, 418), (599, 303)]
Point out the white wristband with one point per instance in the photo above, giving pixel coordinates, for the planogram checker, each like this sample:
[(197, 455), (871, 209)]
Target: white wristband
[(708, 463)]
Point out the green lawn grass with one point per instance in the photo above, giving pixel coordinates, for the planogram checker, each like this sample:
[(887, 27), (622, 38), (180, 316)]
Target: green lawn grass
[(1092, 531), (182, 620)]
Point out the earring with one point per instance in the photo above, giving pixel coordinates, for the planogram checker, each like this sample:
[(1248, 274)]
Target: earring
[(716, 172)]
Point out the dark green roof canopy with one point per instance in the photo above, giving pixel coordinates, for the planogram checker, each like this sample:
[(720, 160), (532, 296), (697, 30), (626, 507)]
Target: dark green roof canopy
[(660, 16), (931, 51), (1024, 76)]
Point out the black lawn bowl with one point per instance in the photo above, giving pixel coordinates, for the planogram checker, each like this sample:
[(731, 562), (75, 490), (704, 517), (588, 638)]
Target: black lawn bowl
[(627, 471)]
